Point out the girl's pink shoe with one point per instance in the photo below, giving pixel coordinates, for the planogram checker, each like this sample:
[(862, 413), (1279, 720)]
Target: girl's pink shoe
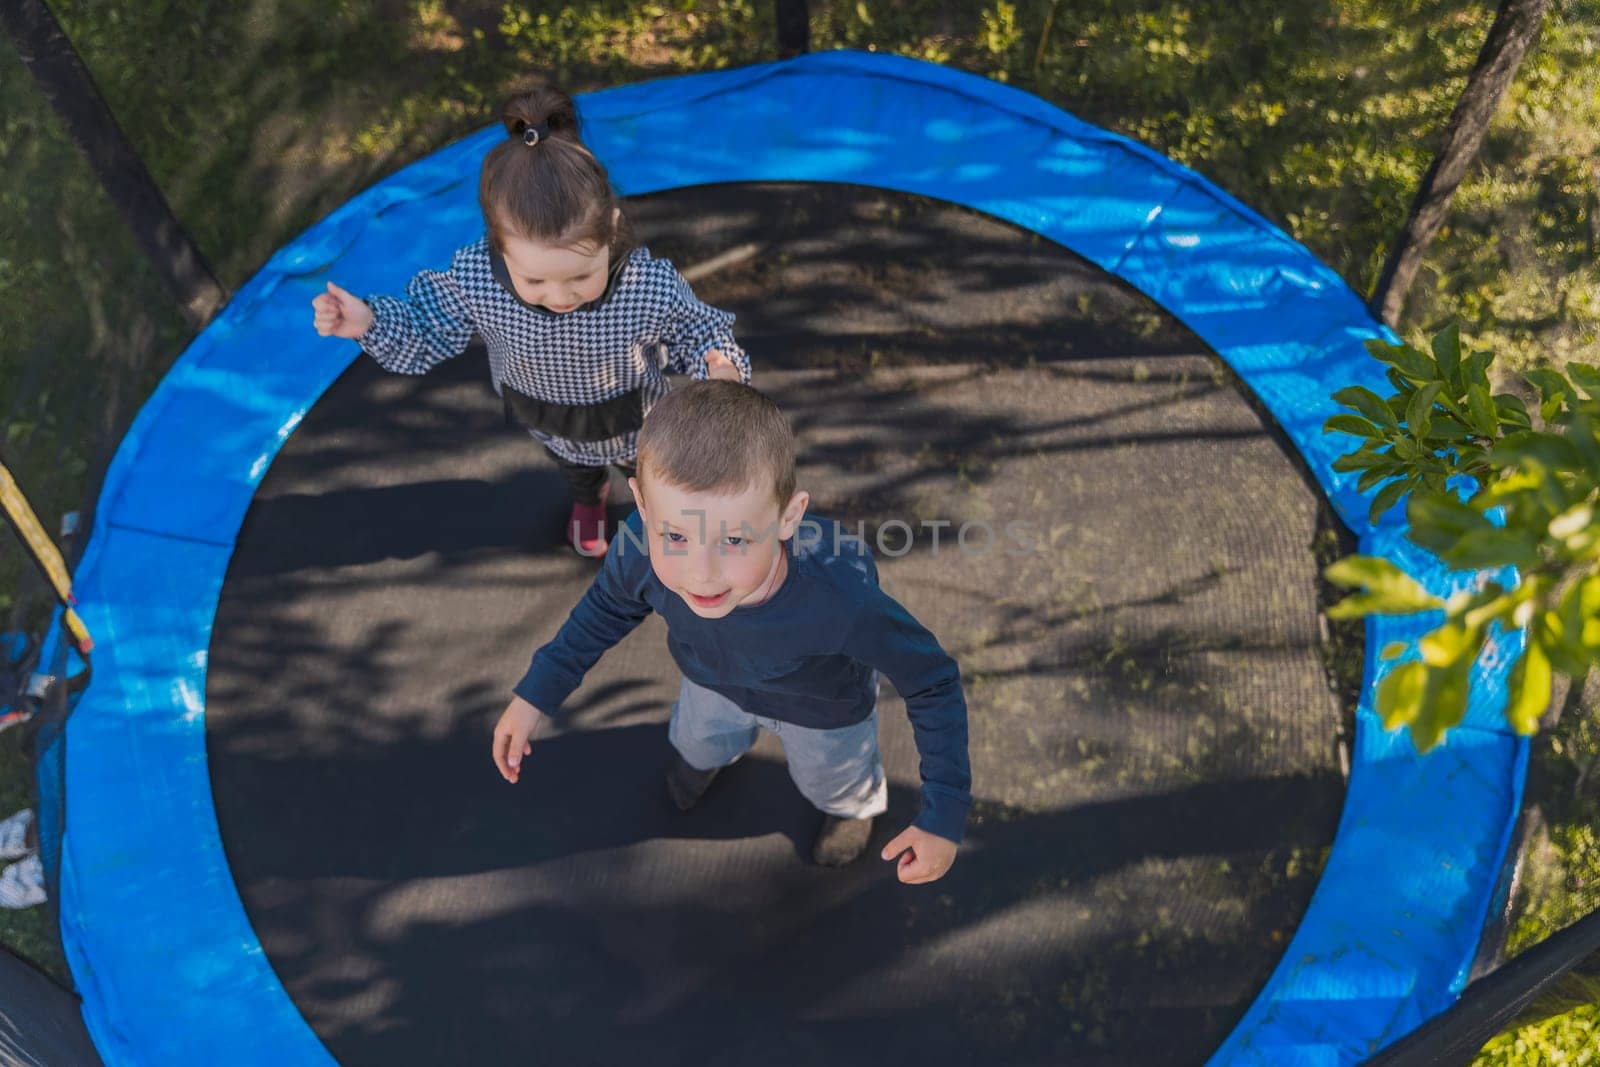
[(586, 530)]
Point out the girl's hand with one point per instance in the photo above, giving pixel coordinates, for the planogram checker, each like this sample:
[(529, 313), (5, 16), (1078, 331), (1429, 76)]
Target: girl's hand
[(341, 314), (924, 857), (720, 366)]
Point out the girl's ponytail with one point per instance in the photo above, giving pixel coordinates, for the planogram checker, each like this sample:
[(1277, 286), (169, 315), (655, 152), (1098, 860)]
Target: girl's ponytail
[(546, 107), (542, 183)]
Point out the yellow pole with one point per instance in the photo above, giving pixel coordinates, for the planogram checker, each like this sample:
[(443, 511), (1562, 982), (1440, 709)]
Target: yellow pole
[(20, 514)]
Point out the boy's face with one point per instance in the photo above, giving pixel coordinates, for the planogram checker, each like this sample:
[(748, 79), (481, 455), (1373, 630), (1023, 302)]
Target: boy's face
[(716, 551)]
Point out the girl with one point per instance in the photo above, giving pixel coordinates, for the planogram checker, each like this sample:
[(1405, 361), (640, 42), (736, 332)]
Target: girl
[(573, 317)]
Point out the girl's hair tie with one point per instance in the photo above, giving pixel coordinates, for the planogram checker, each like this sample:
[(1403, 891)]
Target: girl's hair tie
[(535, 132)]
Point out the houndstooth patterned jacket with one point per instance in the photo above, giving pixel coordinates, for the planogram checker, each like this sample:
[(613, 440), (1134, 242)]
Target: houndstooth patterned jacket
[(601, 352)]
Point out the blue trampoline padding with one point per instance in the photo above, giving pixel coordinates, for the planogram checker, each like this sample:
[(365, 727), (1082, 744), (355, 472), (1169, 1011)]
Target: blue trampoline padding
[(158, 942)]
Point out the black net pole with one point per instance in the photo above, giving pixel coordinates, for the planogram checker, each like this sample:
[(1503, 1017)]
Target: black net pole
[(71, 90), (794, 27), (1489, 1004), (50, 772), (54, 700)]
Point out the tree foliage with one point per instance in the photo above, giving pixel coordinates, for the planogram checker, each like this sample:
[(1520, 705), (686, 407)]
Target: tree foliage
[(1487, 490), (1439, 423)]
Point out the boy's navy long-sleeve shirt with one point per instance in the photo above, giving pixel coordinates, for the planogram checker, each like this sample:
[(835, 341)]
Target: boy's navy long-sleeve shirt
[(805, 655)]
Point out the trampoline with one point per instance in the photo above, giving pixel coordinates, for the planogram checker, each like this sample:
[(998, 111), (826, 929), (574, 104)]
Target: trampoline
[(278, 779)]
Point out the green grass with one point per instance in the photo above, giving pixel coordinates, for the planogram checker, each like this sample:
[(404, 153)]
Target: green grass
[(1562, 1029), (1561, 876), (1560, 884), (26, 932)]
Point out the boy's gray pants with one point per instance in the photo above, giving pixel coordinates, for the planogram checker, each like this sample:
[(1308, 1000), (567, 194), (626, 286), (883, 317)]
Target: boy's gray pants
[(839, 771)]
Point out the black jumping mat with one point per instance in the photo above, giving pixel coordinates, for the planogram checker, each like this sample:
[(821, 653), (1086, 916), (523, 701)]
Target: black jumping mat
[(1153, 724)]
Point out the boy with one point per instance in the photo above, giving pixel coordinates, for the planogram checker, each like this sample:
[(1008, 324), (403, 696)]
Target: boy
[(776, 621)]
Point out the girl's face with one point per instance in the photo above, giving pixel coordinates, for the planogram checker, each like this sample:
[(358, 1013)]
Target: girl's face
[(561, 279)]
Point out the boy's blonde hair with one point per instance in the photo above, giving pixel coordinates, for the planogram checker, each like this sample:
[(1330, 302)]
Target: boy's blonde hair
[(718, 436)]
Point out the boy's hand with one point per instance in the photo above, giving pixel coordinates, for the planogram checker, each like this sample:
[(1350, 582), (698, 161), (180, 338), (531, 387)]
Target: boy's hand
[(720, 366), (924, 857), (513, 737), (341, 314)]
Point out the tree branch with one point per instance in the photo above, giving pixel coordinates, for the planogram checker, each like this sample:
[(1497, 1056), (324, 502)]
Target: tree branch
[(1516, 24), (71, 90)]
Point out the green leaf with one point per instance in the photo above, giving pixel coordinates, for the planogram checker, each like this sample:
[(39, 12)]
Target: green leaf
[(1529, 596), (1439, 520), (1364, 458), (1572, 522), (1447, 351), (1419, 412), (1393, 650), (1475, 369), (1376, 475), (1585, 543), (1388, 497), (1565, 656), (1481, 408), (1399, 698), (1550, 384), (1352, 424), (1369, 404), (1528, 689), (1547, 450), (1442, 511), (1492, 606), (1360, 605), (1580, 431), (1581, 615), (1494, 547), (1426, 732), (1572, 622), (1376, 347), (1513, 412), (1586, 378), (1411, 363), (1433, 538), (1448, 428), (1389, 590), (1449, 644), (1444, 703), (1446, 401), (1470, 460)]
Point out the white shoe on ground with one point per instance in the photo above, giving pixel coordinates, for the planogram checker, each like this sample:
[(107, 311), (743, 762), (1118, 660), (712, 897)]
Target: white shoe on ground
[(22, 884), (14, 835)]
